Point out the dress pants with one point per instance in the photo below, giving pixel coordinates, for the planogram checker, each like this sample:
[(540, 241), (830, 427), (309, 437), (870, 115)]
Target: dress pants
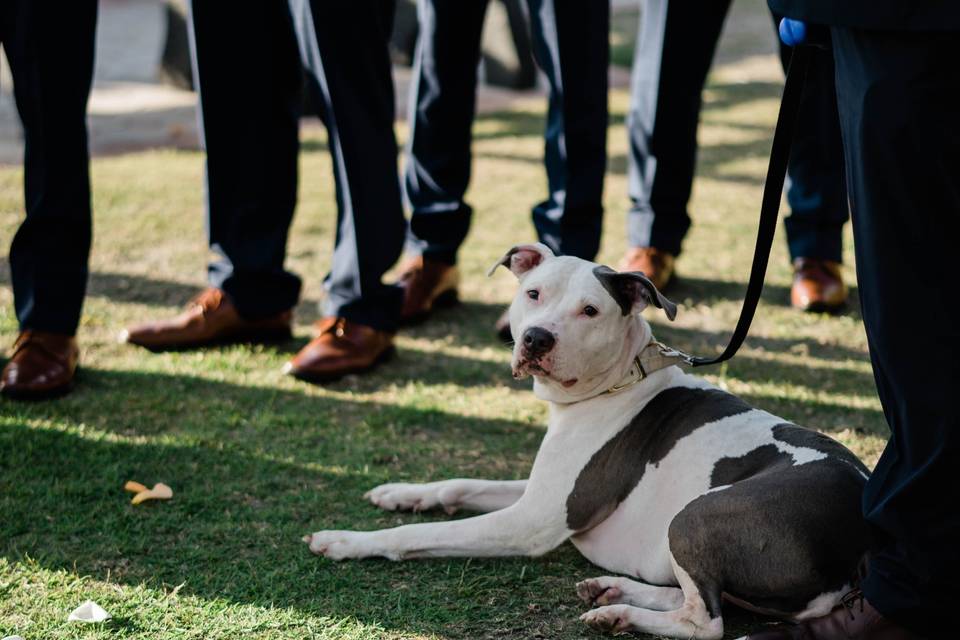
[(675, 48), (249, 61), (570, 42), (898, 94), (50, 47)]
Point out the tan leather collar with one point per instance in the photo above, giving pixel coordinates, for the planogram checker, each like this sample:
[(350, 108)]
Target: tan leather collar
[(653, 357)]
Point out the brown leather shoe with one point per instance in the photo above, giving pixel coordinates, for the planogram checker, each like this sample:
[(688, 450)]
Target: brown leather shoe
[(654, 263), (340, 348), (427, 285), (855, 619), (209, 319), (42, 366), (817, 286)]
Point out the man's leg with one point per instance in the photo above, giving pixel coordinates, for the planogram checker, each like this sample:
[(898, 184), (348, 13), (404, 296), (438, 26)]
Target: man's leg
[(344, 47), (248, 71), (816, 192), (247, 68), (673, 55), (442, 108), (571, 46), (897, 94), (50, 46)]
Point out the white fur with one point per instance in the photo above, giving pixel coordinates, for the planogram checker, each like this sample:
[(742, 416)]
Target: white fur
[(822, 604)]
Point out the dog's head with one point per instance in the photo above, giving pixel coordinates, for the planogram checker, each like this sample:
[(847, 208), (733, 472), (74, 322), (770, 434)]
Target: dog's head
[(576, 325)]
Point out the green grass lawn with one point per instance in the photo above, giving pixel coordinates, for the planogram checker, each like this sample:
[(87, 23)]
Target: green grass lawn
[(257, 459)]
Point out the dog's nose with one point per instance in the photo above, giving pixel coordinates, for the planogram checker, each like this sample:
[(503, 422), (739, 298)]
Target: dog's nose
[(538, 341)]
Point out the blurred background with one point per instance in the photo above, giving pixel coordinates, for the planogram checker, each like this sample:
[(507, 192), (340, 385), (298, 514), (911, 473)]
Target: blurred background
[(142, 96)]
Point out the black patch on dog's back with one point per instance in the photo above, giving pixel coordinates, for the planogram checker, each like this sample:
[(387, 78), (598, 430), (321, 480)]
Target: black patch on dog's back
[(763, 458), (614, 470), (810, 439)]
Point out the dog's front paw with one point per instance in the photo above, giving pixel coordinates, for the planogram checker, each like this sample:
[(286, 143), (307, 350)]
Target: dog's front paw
[(401, 496), (613, 619), (339, 545), (599, 591)]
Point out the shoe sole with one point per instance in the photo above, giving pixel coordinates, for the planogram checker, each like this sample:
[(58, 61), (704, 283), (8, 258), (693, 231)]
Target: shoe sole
[(446, 300), (326, 378), (278, 336), (38, 396), (820, 307)]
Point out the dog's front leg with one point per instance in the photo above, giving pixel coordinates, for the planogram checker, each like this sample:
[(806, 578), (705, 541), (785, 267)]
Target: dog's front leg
[(450, 495), (514, 531)]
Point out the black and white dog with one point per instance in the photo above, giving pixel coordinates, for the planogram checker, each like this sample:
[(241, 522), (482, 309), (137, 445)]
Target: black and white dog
[(651, 473)]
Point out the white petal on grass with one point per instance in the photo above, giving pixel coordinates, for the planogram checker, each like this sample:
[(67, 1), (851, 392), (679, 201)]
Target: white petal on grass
[(89, 611)]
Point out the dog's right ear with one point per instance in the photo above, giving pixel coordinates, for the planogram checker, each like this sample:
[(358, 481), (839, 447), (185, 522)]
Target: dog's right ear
[(522, 258)]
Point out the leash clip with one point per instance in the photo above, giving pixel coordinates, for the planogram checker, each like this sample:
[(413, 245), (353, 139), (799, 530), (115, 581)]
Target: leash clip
[(670, 352)]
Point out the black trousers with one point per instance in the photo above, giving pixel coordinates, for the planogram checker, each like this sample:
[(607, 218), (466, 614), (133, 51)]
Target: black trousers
[(570, 42), (674, 52), (898, 95), (249, 65), (50, 47)]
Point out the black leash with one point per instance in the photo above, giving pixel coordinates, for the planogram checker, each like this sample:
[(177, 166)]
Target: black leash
[(770, 205)]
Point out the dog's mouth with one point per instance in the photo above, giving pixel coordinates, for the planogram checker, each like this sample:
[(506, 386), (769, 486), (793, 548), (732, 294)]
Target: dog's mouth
[(526, 367)]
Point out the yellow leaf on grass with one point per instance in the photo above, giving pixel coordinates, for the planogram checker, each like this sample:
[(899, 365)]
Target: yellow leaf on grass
[(160, 491), (134, 486)]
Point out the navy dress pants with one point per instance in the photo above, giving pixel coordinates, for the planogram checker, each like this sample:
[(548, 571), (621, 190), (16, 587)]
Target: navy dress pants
[(898, 95), (675, 48), (570, 42), (50, 47), (249, 60)]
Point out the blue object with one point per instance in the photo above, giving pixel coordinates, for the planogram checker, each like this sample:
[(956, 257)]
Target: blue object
[(792, 32)]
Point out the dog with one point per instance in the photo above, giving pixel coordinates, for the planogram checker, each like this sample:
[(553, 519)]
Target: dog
[(650, 472)]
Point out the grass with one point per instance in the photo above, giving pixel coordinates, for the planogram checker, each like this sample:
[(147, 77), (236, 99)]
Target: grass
[(257, 459)]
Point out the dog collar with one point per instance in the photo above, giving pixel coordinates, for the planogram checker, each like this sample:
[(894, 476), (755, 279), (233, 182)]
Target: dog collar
[(653, 357)]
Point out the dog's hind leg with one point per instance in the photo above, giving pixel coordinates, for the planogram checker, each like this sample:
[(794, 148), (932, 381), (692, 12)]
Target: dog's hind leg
[(449, 495), (618, 590), (685, 622), (690, 620)]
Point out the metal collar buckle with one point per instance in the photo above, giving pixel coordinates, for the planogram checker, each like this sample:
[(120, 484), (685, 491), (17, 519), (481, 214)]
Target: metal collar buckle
[(637, 373)]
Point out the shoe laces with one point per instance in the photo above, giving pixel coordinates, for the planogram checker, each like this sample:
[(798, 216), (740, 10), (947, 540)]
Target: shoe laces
[(207, 300), (850, 601), (810, 268), (412, 272), (336, 326), (22, 340), (28, 338)]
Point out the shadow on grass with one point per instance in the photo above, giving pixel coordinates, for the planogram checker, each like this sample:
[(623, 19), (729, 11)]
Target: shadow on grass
[(253, 469), (470, 324), (123, 287), (701, 290)]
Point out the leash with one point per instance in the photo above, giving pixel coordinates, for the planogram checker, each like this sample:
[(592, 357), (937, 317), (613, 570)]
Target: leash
[(769, 207)]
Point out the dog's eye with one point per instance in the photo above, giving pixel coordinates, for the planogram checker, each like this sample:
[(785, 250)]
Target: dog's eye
[(590, 311), (533, 294)]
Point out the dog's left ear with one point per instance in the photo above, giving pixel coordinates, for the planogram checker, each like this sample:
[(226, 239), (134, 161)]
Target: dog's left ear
[(523, 258), (633, 291)]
